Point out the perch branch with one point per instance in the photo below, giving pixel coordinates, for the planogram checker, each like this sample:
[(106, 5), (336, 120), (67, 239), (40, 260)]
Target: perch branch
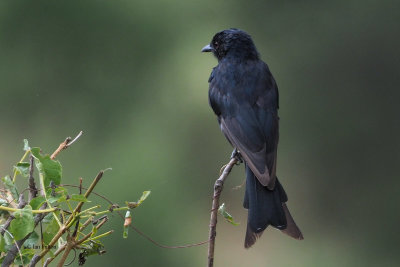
[(218, 186)]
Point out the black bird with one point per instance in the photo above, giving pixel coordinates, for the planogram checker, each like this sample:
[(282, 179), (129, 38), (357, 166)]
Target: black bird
[(244, 96)]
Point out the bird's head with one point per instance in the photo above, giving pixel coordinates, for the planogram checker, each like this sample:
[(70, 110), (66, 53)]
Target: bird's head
[(232, 43)]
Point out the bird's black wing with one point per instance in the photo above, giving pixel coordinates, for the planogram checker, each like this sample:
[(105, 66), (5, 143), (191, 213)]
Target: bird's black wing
[(246, 105)]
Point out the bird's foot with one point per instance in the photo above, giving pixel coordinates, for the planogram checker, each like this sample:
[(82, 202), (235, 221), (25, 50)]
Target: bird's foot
[(236, 154)]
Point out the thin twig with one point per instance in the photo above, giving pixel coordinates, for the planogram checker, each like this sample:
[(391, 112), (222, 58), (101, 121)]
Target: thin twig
[(136, 229), (33, 211), (105, 219), (76, 138), (87, 193), (32, 186), (61, 147), (218, 186), (77, 221), (64, 145), (239, 186), (70, 245), (58, 251), (161, 245), (86, 223)]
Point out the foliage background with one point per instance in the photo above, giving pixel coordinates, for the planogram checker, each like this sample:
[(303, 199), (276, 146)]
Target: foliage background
[(131, 75)]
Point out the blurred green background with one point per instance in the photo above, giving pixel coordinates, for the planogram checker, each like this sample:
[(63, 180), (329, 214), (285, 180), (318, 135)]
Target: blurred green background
[(131, 76)]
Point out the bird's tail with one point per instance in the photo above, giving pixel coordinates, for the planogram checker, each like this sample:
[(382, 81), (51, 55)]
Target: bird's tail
[(266, 207)]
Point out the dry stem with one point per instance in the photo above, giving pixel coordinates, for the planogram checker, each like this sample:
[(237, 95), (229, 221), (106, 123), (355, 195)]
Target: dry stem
[(64, 145), (32, 186), (218, 186)]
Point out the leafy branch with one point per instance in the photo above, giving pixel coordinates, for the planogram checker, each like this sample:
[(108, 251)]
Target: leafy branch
[(54, 218), (54, 209)]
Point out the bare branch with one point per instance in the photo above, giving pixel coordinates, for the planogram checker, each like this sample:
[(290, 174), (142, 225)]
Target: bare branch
[(70, 245), (64, 145), (77, 221), (218, 186), (76, 138), (88, 192)]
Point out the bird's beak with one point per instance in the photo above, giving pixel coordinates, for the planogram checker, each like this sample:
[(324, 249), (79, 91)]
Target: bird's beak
[(207, 48)]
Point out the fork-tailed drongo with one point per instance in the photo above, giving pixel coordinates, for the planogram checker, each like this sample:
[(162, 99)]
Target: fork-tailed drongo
[(244, 96)]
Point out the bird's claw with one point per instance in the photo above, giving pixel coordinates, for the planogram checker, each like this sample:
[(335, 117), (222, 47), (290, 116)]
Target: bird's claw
[(237, 156)]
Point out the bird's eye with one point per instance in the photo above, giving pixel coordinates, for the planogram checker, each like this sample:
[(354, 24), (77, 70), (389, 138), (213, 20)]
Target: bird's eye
[(216, 44)]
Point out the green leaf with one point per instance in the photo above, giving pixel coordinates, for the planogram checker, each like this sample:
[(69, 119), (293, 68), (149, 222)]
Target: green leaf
[(10, 186), (51, 170), (37, 202), (51, 230), (27, 255), (144, 196), (8, 239), (63, 198), (22, 168), (23, 223), (61, 190), (2, 243), (53, 199), (226, 215), (32, 241), (56, 195), (79, 198), (3, 202), (26, 145), (48, 218)]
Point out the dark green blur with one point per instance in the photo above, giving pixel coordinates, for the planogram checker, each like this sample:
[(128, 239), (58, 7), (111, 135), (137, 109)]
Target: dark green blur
[(131, 76)]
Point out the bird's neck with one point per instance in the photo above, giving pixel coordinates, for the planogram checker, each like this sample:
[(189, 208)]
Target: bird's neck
[(235, 59), (241, 56)]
